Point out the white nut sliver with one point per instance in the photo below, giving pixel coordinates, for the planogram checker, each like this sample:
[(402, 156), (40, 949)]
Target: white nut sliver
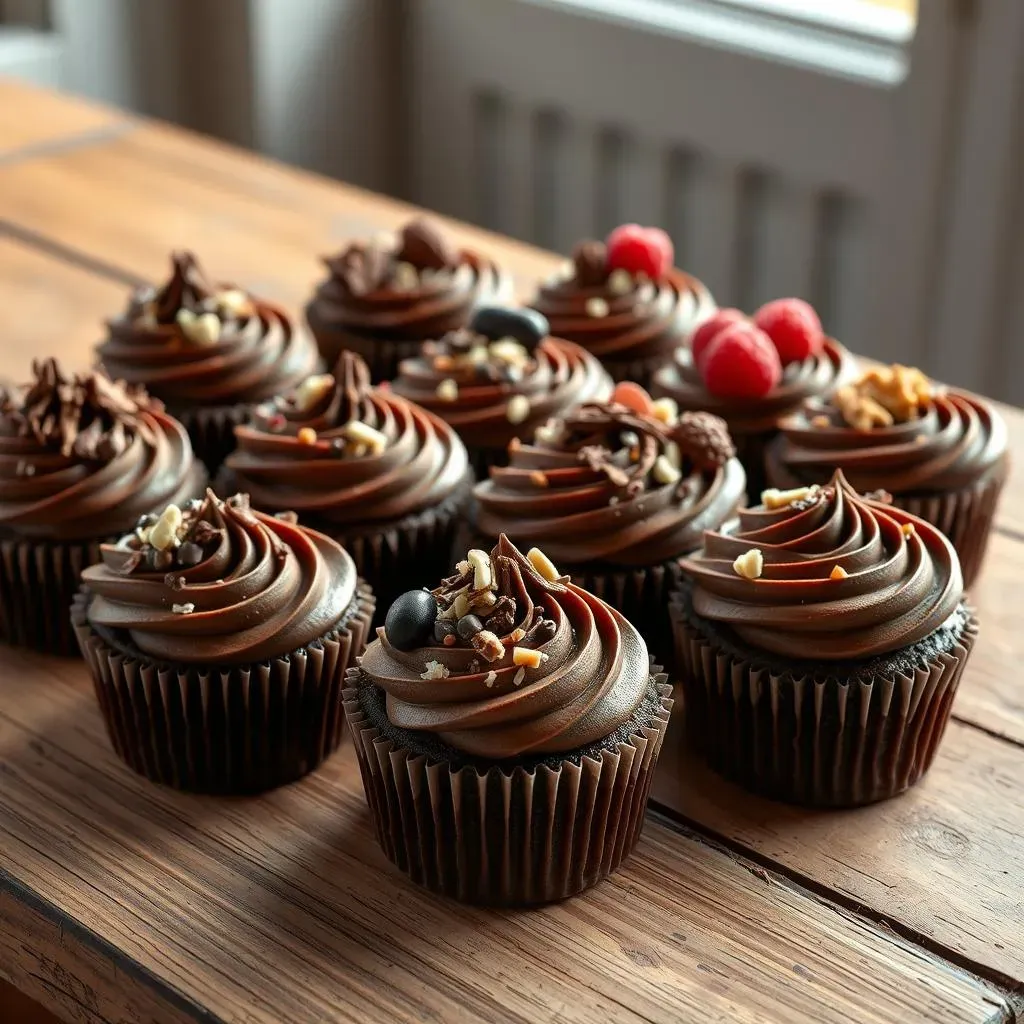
[(312, 389), (773, 498), (203, 329), (597, 307), (542, 564), (620, 281), (434, 670), (490, 678), (235, 302), (518, 409), (526, 656), (750, 564), (664, 472), (519, 677), (183, 609), (447, 390), (406, 277), (361, 434), (481, 564), (666, 410)]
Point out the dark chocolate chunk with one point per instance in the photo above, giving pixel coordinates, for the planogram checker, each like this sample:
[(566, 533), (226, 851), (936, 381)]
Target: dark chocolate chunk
[(468, 626), (189, 554), (443, 628), (162, 560), (410, 620), (527, 326)]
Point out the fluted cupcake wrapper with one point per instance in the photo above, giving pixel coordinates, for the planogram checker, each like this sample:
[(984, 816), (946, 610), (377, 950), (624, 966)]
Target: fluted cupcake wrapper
[(817, 742), (38, 581), (964, 516), (227, 729), (508, 836)]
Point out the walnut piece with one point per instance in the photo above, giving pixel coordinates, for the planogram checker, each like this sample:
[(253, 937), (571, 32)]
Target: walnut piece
[(883, 396), (750, 564)]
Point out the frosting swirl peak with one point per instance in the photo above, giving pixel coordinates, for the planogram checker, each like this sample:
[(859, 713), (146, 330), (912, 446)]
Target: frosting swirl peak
[(217, 583), (192, 342), (83, 456), (347, 452), (826, 573), (606, 483), (549, 668)]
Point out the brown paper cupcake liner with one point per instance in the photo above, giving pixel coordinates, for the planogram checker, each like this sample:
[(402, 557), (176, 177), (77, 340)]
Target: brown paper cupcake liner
[(820, 742), (508, 836), (38, 581), (228, 729), (381, 355), (964, 516)]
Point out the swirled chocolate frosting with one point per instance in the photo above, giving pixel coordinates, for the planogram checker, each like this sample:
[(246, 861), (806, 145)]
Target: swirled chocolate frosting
[(946, 440), (818, 375), (83, 456), (216, 583), (619, 317), (546, 668), (192, 342), (347, 452), (824, 573), (492, 391), (605, 483), (414, 286)]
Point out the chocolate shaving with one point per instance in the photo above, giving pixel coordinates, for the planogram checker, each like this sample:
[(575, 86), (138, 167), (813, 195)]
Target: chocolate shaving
[(422, 244), (362, 268), (590, 260), (188, 288)]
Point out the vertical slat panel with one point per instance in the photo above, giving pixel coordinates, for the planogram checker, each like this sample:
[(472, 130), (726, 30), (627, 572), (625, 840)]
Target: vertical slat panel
[(710, 229), (784, 243), (548, 156), (643, 181), (488, 120), (609, 180), (516, 172), (843, 289), (577, 184)]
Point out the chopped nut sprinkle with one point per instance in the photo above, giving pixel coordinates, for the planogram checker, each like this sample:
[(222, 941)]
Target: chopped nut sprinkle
[(773, 498), (750, 564), (821, 422), (307, 435), (838, 573), (405, 277), (518, 678), (518, 409), (203, 329), (538, 478), (183, 609), (480, 562), (542, 564), (516, 635), (235, 303), (312, 390), (490, 679), (666, 410), (526, 656), (488, 645), (664, 472), (365, 435), (448, 390), (597, 307), (620, 281), (908, 529), (434, 670)]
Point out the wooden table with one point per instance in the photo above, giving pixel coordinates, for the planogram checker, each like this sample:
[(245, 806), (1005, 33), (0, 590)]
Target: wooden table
[(124, 902)]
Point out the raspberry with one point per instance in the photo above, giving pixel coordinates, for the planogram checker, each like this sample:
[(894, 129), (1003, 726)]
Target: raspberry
[(709, 329), (640, 250), (633, 397), (793, 327), (741, 362)]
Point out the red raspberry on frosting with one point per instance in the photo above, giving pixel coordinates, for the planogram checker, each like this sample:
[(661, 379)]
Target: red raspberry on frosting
[(640, 250), (708, 331), (741, 362), (793, 327)]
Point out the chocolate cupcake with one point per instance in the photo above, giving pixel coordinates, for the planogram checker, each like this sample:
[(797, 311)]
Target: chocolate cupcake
[(940, 453), (615, 493), (500, 379), (821, 643), (507, 725), (754, 421), (631, 313), (210, 352), (379, 474), (81, 459), (383, 297), (218, 640)]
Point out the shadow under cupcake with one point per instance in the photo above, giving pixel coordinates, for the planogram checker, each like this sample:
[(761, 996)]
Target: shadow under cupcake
[(507, 725)]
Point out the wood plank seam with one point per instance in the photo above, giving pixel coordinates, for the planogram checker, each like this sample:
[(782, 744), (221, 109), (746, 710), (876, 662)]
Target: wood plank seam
[(65, 143), (1011, 989), (87, 937)]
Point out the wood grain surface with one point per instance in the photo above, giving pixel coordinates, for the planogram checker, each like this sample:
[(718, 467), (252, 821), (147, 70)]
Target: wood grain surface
[(120, 901), (283, 909)]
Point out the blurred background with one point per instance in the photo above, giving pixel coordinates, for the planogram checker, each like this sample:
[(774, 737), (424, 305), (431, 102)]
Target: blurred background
[(863, 154)]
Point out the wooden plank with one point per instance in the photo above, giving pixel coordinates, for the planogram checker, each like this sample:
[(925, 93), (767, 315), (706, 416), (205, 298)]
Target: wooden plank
[(33, 120), (49, 307), (260, 223), (282, 909), (945, 860)]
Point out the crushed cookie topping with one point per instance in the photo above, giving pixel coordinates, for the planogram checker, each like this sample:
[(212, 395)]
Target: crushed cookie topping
[(190, 300), (87, 416), (884, 396), (464, 356)]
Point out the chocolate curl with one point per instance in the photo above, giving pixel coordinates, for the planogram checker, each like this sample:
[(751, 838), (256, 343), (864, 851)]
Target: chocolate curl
[(351, 382), (187, 288), (422, 244), (362, 268)]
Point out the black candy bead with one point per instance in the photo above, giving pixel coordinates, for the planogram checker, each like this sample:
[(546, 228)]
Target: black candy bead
[(468, 626), (410, 620), (527, 326)]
